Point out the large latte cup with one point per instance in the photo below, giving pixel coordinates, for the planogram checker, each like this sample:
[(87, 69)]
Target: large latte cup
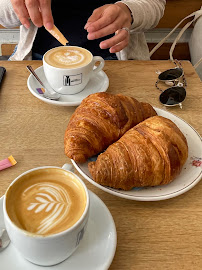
[(46, 211), (68, 69)]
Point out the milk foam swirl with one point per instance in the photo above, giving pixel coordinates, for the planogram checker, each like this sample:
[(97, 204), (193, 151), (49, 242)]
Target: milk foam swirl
[(52, 199), (68, 57)]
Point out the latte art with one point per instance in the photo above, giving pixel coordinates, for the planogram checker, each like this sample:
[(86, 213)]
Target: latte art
[(68, 57), (46, 202), (53, 200)]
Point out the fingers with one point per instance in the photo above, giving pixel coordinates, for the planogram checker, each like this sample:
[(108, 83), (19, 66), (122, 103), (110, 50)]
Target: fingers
[(21, 11), (107, 20), (45, 7), (105, 25), (106, 30), (39, 11), (116, 43), (100, 18), (97, 13), (107, 15), (34, 12)]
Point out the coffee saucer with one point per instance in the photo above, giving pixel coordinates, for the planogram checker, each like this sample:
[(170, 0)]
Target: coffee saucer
[(96, 250), (98, 83)]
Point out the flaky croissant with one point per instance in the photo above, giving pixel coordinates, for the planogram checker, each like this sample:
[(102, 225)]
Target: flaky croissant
[(100, 120), (149, 154)]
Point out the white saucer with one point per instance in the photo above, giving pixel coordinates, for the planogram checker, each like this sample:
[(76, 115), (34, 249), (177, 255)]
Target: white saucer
[(95, 252), (190, 175), (98, 83)]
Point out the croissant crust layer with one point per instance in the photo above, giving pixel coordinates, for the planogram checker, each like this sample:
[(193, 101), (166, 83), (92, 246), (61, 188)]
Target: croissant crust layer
[(100, 120), (149, 154)]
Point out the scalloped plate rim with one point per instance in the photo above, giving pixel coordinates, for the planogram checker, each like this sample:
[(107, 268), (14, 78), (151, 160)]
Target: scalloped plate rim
[(165, 196)]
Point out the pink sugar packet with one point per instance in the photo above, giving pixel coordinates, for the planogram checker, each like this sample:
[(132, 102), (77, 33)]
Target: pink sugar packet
[(7, 162)]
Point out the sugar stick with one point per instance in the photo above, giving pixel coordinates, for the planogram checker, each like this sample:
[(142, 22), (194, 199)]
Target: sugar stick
[(8, 162), (58, 35)]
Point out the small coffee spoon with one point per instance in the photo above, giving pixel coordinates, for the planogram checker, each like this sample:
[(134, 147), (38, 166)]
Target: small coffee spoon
[(4, 239), (49, 93)]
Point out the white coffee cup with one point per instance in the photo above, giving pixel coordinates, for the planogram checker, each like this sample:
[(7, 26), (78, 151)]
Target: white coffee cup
[(50, 249), (68, 69)]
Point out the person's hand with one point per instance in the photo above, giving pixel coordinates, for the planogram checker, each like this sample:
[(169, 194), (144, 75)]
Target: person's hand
[(39, 11), (109, 19)]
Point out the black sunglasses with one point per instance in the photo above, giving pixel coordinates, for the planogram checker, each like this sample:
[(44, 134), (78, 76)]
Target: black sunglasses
[(175, 78)]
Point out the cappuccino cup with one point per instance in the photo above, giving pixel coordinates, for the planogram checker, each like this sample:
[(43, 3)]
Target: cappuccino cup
[(68, 69), (46, 211)]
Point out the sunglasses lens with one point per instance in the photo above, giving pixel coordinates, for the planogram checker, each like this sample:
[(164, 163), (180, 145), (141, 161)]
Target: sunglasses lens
[(171, 74), (173, 95)]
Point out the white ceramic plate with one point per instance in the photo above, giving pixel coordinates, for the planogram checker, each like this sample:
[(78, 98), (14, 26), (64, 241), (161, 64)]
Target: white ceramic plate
[(96, 250), (190, 175), (98, 83)]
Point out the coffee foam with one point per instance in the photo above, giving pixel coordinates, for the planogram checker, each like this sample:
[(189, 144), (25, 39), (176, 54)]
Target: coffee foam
[(46, 205), (67, 57)]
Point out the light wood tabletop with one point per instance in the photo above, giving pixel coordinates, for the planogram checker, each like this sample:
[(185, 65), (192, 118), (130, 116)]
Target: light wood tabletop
[(151, 235)]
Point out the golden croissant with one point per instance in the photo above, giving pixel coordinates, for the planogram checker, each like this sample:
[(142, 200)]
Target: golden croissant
[(149, 154), (100, 120)]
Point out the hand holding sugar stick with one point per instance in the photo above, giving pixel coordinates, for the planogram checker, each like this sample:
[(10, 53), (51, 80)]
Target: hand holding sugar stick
[(8, 162), (55, 32)]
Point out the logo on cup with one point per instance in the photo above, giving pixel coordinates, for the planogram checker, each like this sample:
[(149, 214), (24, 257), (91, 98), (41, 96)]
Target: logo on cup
[(72, 79)]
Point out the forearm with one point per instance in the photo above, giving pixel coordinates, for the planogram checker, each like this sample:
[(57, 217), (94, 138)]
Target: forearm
[(8, 18), (146, 13)]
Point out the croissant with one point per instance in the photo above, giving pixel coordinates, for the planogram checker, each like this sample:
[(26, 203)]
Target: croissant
[(149, 154), (100, 120)]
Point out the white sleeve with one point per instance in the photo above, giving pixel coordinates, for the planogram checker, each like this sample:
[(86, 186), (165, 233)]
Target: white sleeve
[(8, 18), (146, 13)]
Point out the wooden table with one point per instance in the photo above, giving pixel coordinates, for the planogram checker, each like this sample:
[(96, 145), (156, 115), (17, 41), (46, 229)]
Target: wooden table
[(151, 235)]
